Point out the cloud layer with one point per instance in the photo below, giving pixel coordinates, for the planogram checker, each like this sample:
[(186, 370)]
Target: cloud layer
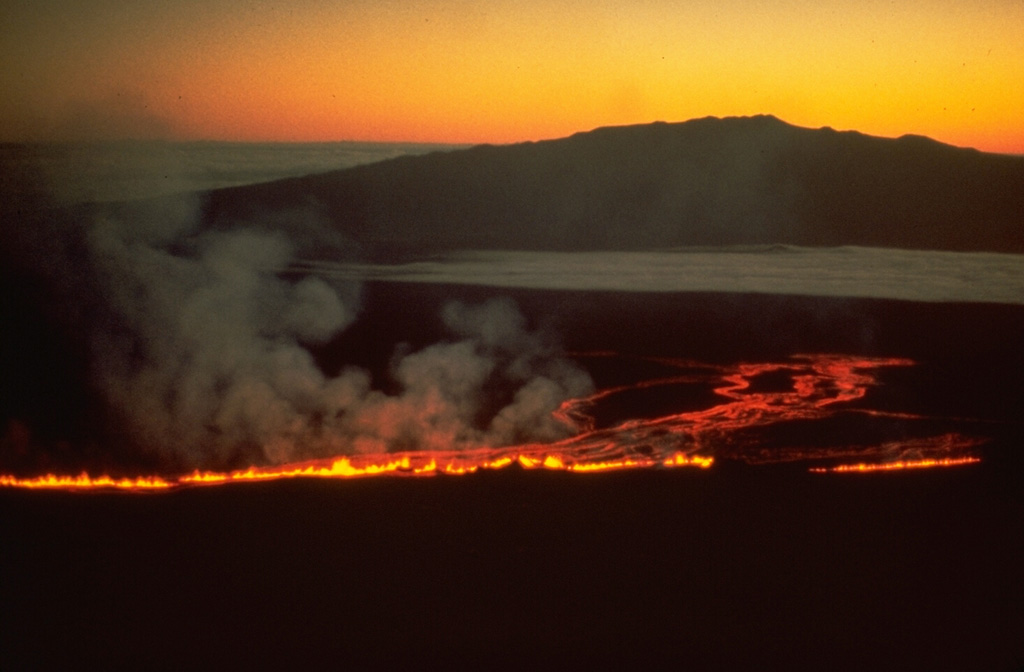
[(913, 275)]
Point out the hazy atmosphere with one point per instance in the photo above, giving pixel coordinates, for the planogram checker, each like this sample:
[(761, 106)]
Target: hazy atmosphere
[(560, 334), (206, 318), (454, 71)]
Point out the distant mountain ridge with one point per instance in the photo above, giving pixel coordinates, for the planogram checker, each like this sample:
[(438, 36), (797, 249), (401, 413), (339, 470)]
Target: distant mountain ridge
[(739, 180)]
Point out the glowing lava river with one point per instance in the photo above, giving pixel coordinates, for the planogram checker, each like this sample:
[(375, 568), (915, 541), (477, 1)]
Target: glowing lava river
[(752, 398)]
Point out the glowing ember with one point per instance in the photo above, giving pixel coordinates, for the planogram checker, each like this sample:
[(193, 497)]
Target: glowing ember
[(819, 387)]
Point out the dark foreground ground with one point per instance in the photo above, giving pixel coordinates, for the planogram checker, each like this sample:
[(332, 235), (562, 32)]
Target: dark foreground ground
[(738, 567)]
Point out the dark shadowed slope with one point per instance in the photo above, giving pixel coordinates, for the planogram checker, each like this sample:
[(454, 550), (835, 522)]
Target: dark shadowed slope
[(751, 180)]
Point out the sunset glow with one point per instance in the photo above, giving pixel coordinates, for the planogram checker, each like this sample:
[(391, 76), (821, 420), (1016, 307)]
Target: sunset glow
[(452, 71)]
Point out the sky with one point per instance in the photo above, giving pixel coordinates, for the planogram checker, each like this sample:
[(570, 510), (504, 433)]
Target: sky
[(505, 70)]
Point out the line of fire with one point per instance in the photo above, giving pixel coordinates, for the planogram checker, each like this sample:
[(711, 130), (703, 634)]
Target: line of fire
[(751, 398)]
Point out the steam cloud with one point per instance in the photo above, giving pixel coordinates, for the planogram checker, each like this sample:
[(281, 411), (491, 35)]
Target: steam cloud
[(201, 350)]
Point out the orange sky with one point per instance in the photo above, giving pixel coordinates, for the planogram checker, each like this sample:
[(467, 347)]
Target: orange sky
[(504, 70)]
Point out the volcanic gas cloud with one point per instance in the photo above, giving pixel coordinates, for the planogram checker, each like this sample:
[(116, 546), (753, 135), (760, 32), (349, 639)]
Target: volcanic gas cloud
[(199, 342)]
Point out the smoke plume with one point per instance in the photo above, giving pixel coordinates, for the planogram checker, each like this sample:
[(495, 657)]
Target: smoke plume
[(199, 342)]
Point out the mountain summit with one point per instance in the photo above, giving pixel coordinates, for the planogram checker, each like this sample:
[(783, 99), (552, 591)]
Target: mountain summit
[(739, 180)]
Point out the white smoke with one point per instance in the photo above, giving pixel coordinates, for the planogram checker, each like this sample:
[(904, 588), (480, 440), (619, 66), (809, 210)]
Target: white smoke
[(203, 354), (448, 387)]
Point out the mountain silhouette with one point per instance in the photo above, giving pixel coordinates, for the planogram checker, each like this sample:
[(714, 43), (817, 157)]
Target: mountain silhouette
[(741, 180)]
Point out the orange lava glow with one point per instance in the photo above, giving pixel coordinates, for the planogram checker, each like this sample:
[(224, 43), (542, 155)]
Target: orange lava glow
[(896, 466), (86, 482), (807, 387), (407, 464)]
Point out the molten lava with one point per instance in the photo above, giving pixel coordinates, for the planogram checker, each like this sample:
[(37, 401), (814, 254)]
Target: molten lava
[(896, 466), (816, 387)]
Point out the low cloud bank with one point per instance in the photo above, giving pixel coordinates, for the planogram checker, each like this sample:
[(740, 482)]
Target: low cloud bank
[(912, 275)]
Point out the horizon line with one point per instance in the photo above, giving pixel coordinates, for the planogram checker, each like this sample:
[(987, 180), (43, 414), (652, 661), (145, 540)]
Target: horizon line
[(172, 139)]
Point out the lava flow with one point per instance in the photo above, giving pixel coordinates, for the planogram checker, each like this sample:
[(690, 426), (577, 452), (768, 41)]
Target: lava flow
[(815, 388), (862, 467)]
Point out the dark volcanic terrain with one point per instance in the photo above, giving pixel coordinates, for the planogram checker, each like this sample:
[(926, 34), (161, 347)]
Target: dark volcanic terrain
[(741, 566), (751, 180)]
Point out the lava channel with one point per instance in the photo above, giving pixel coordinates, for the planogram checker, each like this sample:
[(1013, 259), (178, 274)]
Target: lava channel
[(819, 387)]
